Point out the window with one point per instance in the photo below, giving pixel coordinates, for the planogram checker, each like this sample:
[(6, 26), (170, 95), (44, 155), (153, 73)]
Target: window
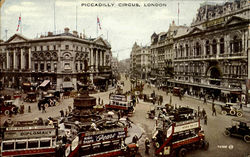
[(8, 145), (42, 66), (36, 66), (41, 47), (187, 53), (35, 48), (81, 66), (54, 47), (48, 67), (214, 47), (198, 49), (76, 66), (21, 145), (45, 143), (47, 47), (55, 66), (207, 48), (66, 47), (222, 46), (237, 44), (33, 144)]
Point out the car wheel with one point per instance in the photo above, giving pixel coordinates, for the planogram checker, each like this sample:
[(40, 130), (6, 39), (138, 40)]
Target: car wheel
[(247, 138), (227, 133), (224, 112), (182, 152), (46, 105), (239, 114), (6, 112), (232, 112)]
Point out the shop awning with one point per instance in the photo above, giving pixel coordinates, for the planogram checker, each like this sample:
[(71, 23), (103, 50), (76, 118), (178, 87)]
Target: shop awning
[(67, 85), (45, 82)]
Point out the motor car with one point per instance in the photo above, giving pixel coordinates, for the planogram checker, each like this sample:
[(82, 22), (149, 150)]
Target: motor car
[(240, 128), (48, 101), (231, 109), (8, 107), (31, 97)]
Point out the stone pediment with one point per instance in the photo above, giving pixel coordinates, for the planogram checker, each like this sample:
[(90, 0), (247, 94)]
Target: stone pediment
[(235, 20), (17, 38), (195, 30), (100, 41)]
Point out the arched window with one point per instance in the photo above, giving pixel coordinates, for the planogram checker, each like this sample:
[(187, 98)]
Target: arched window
[(76, 67), (214, 47), (187, 53), (66, 79), (237, 44), (181, 51), (198, 49), (222, 47), (207, 47)]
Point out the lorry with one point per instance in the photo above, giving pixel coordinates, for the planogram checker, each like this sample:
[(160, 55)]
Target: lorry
[(174, 136)]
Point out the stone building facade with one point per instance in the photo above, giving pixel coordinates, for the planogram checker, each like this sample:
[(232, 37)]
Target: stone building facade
[(140, 61), (211, 55), (162, 54), (58, 58)]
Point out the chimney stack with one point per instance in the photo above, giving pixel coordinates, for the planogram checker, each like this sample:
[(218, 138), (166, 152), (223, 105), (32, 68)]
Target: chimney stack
[(66, 30), (75, 33), (50, 33)]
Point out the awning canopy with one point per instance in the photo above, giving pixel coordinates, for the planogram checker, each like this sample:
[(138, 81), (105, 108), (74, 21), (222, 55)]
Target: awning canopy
[(67, 85), (152, 78), (45, 82)]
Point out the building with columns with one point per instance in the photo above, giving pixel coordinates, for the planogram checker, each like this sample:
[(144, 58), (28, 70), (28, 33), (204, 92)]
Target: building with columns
[(58, 58), (211, 55)]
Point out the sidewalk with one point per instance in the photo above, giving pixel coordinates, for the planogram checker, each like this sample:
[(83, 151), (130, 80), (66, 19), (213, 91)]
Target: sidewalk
[(244, 107)]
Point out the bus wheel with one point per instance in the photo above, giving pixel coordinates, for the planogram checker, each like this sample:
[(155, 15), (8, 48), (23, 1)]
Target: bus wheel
[(6, 112), (182, 152)]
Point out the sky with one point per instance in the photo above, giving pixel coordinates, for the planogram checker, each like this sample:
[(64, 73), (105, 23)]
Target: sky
[(122, 26)]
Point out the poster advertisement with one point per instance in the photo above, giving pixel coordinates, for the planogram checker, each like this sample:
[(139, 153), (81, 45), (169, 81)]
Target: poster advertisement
[(199, 46)]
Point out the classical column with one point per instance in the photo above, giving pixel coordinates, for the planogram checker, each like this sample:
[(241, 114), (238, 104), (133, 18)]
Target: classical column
[(45, 66), (91, 58), (22, 59), (218, 48), (30, 58), (8, 59), (96, 58), (101, 61), (78, 64), (14, 59)]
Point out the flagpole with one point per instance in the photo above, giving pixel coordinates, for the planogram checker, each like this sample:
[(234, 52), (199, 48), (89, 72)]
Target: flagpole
[(178, 13), (55, 16), (97, 27), (21, 24)]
